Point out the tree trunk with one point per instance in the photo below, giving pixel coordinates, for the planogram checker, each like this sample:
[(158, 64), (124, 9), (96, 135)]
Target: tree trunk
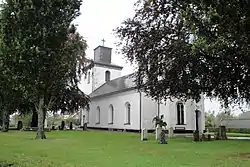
[(41, 112), (5, 121)]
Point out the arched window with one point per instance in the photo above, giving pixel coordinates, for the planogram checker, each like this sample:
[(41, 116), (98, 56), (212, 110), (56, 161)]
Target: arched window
[(128, 114), (180, 114), (98, 115), (111, 114), (107, 76)]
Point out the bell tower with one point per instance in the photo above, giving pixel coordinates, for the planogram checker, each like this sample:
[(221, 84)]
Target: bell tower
[(103, 70), (102, 54)]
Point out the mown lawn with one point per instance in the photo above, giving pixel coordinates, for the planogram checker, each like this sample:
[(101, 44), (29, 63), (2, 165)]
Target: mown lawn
[(104, 149)]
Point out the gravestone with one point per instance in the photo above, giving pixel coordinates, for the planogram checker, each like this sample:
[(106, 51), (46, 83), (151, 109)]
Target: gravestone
[(222, 133), (85, 126), (45, 123), (62, 125), (158, 131), (171, 132), (196, 135), (34, 122), (163, 138), (144, 134), (71, 126), (19, 125)]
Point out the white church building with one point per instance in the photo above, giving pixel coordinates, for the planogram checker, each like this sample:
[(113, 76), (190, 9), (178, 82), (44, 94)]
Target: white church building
[(116, 104)]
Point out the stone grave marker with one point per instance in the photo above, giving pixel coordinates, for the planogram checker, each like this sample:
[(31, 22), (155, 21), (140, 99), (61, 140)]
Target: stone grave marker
[(158, 131), (144, 134)]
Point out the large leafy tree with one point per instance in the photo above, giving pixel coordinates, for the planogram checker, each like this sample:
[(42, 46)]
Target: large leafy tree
[(45, 53), (10, 95), (184, 48)]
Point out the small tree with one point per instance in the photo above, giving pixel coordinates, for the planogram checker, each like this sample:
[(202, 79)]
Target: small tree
[(210, 119), (159, 121)]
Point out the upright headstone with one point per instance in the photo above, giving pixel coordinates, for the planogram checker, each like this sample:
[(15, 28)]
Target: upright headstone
[(62, 125), (163, 138), (34, 122), (19, 125), (45, 123), (144, 134), (171, 132), (85, 126), (222, 133), (158, 132), (71, 126)]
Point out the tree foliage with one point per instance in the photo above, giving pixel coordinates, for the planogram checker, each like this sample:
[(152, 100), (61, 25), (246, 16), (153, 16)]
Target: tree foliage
[(159, 121), (45, 54), (189, 47), (210, 119), (10, 96), (224, 114)]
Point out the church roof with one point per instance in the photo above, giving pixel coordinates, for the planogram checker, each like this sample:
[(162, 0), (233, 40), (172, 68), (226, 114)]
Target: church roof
[(117, 85), (108, 64), (104, 63)]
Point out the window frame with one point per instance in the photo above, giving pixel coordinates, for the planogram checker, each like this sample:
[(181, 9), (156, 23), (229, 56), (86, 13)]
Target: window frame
[(127, 113)]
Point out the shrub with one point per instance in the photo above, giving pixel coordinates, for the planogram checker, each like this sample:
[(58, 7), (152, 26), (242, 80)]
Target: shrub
[(231, 130)]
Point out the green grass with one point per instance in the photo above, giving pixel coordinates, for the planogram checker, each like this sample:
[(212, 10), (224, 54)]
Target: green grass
[(104, 149)]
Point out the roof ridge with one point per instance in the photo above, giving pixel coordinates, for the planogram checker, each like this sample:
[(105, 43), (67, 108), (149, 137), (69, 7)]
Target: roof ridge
[(113, 84)]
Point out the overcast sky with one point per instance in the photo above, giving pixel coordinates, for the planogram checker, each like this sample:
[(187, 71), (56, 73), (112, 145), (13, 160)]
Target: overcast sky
[(97, 21)]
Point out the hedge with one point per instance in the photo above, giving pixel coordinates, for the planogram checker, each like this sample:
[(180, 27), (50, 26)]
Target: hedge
[(230, 130)]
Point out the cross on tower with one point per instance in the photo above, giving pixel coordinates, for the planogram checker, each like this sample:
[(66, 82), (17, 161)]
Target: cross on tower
[(103, 41)]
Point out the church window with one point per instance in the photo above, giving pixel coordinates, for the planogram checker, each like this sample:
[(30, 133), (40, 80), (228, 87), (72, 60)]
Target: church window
[(180, 114), (111, 114), (88, 77), (107, 76), (98, 115), (128, 114)]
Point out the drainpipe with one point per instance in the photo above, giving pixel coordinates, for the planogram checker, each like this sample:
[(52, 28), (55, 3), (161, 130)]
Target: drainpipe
[(140, 108), (196, 122)]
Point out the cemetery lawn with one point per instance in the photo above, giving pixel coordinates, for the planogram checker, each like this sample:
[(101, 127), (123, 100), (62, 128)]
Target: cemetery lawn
[(106, 149)]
